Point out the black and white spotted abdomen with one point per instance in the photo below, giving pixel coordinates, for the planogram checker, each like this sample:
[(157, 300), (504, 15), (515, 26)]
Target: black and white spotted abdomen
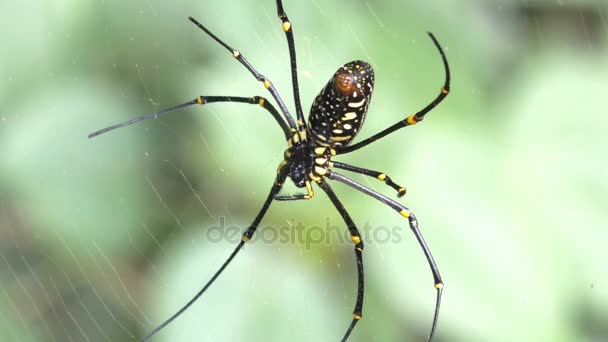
[(338, 112)]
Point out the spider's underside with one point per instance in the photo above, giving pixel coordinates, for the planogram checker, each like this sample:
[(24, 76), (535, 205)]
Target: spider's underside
[(336, 116)]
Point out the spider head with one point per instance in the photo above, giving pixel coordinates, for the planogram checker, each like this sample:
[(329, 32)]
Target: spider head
[(339, 110)]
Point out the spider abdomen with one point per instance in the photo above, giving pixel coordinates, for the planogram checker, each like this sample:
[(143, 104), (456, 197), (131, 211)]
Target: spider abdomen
[(338, 112)]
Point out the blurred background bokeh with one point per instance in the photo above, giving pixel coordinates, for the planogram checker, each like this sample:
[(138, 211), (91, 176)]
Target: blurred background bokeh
[(102, 239)]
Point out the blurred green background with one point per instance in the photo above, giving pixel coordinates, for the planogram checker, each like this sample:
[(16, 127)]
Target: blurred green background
[(103, 239)]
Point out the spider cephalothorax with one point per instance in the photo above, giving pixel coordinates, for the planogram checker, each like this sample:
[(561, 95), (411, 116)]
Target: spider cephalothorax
[(299, 159), (336, 116)]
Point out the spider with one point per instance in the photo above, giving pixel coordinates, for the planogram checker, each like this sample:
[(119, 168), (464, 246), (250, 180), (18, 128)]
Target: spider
[(335, 118)]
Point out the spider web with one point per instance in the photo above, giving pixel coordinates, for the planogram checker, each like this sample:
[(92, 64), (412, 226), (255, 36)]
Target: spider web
[(103, 239)]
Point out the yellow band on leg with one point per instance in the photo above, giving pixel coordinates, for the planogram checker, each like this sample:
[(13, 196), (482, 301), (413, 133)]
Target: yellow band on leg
[(411, 120)]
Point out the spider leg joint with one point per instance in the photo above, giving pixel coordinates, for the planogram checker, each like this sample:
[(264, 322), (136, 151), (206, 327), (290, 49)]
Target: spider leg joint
[(320, 161), (314, 177), (321, 171), (320, 151), (411, 120), (286, 26), (281, 166)]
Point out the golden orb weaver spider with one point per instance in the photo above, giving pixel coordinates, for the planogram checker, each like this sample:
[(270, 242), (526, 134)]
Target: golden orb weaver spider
[(336, 116)]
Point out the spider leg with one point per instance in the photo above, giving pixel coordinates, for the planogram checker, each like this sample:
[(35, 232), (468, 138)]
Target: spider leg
[(287, 198), (413, 223), (202, 100), (310, 193), (414, 118), (246, 237), (288, 28), (263, 102), (267, 84), (379, 175), (356, 237)]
